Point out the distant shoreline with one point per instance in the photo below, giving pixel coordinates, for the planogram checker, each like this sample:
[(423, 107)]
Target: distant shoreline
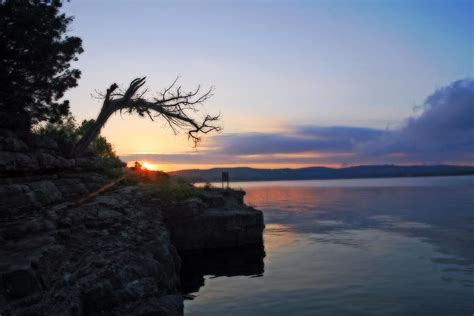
[(321, 173), (329, 179), (218, 183)]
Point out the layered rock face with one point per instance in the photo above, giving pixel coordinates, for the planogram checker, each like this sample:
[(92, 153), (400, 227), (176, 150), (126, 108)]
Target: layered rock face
[(38, 155), (212, 220), (215, 234), (111, 254), (69, 248)]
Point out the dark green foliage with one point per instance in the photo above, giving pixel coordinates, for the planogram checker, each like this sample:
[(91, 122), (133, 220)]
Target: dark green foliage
[(62, 132), (152, 177), (99, 145), (170, 190), (35, 57), (175, 191), (67, 132)]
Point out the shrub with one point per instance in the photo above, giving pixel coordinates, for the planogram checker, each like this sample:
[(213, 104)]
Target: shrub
[(68, 133)]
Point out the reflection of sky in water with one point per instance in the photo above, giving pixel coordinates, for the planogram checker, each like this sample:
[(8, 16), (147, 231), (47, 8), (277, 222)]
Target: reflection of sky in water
[(378, 249)]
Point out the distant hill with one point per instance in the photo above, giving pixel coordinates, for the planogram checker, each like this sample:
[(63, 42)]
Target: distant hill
[(314, 173)]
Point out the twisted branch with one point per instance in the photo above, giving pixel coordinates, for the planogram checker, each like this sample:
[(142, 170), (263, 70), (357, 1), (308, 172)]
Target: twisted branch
[(173, 105)]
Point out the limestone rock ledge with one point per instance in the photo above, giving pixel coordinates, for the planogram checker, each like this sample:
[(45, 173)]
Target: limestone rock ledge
[(111, 255), (39, 154), (118, 253), (214, 219)]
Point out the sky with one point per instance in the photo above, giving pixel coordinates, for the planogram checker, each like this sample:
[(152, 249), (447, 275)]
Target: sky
[(297, 83)]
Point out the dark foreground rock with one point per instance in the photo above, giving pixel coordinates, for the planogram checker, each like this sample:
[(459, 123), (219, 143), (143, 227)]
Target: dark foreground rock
[(74, 242), (36, 154), (215, 219), (116, 253), (110, 255)]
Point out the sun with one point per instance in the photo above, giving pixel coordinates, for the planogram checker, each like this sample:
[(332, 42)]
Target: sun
[(148, 166)]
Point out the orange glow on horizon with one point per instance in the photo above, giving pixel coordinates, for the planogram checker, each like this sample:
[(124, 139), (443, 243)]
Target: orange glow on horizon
[(169, 167), (145, 165)]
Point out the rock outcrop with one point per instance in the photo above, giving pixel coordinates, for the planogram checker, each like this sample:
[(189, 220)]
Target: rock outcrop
[(111, 254), (214, 219), (35, 154), (69, 247)]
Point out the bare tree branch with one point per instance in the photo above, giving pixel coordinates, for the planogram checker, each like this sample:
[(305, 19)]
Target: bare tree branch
[(173, 104)]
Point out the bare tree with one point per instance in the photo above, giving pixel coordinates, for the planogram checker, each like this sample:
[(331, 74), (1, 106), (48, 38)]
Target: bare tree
[(172, 104)]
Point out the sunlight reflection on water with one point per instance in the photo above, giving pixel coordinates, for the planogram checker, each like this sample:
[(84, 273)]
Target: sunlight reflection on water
[(372, 249)]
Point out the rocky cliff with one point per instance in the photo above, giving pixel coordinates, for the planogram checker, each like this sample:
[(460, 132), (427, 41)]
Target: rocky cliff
[(33, 154), (213, 219), (74, 242)]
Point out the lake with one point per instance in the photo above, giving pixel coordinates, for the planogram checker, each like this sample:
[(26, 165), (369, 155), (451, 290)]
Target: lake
[(398, 246)]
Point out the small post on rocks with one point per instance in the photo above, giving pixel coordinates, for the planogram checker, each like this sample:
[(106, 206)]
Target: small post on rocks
[(225, 178)]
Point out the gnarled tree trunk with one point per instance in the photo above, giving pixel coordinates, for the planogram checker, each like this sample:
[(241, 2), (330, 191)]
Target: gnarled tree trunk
[(173, 105)]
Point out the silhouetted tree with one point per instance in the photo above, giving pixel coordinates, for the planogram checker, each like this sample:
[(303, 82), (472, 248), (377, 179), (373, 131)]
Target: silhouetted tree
[(100, 146), (35, 61), (173, 105)]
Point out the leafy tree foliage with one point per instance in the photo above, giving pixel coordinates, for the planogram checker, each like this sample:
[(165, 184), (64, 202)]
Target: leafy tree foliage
[(35, 63), (68, 133)]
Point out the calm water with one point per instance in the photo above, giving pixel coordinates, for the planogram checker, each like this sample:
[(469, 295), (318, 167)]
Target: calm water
[(349, 247)]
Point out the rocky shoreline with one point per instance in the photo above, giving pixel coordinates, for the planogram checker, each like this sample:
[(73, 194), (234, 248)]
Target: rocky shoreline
[(114, 253)]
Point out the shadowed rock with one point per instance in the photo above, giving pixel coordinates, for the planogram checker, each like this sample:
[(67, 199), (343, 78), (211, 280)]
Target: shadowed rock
[(110, 253), (217, 219)]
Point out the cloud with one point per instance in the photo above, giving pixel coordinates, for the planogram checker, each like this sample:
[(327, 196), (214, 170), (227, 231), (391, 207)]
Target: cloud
[(350, 134), (443, 132), (301, 139)]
